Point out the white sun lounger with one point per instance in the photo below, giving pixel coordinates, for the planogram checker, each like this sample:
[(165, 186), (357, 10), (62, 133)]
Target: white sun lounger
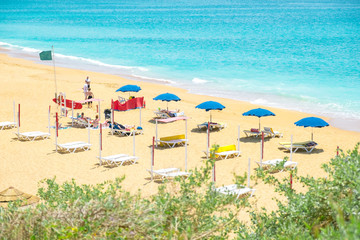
[(272, 133), (249, 133), (308, 146), (31, 136), (212, 125), (5, 125), (168, 173), (73, 146), (119, 159), (274, 162), (235, 190)]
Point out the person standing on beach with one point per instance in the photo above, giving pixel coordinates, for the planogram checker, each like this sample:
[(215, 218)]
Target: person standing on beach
[(87, 80), (90, 95), (85, 89)]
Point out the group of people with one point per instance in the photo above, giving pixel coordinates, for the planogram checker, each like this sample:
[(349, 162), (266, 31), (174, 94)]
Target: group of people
[(87, 91)]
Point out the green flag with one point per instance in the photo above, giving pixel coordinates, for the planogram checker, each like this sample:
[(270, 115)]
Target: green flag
[(45, 55)]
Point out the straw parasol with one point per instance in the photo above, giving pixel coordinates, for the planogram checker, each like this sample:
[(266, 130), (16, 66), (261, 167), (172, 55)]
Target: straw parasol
[(12, 194)]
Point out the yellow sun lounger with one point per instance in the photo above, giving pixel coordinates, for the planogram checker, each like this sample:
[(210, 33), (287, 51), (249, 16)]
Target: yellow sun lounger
[(172, 141), (226, 151)]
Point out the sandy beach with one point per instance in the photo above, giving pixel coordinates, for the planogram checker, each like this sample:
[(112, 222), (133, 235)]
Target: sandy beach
[(24, 164)]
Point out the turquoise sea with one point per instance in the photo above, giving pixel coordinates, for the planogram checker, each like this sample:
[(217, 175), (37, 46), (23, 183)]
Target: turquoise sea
[(295, 54)]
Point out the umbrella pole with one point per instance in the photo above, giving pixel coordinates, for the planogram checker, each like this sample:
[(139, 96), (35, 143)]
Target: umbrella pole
[(261, 153), (262, 147), (259, 125), (208, 140), (312, 134)]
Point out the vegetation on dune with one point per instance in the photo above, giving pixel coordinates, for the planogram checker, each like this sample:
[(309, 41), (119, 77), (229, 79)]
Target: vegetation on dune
[(191, 209)]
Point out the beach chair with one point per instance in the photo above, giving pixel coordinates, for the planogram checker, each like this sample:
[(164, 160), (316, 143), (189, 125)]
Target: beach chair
[(129, 132), (275, 162), (234, 189), (163, 114), (119, 159), (31, 136), (212, 125), (272, 133), (225, 151), (308, 146), (168, 173), (121, 99), (172, 141), (255, 133), (6, 125), (72, 147)]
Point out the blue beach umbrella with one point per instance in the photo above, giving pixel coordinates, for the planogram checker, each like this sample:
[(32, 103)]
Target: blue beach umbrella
[(167, 97), (313, 122), (210, 105), (258, 112), (129, 88)]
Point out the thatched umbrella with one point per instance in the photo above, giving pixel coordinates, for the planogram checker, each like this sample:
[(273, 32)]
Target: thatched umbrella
[(12, 194)]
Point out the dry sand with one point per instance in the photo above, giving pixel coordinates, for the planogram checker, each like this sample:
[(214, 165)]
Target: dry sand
[(24, 164)]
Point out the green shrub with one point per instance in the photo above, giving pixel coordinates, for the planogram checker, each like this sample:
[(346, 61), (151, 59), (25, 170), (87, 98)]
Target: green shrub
[(329, 208), (186, 208), (191, 209)]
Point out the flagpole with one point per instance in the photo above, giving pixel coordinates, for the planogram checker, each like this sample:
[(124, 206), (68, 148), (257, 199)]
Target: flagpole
[(53, 60)]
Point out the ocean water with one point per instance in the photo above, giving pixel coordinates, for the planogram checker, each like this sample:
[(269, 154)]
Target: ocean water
[(295, 54)]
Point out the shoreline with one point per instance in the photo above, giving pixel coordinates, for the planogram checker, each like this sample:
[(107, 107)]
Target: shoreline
[(349, 124)]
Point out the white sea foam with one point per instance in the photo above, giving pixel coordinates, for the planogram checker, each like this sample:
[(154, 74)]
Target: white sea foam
[(199, 81), (160, 80), (25, 49), (60, 57)]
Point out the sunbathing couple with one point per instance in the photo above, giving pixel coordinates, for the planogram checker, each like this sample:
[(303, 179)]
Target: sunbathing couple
[(94, 123)]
